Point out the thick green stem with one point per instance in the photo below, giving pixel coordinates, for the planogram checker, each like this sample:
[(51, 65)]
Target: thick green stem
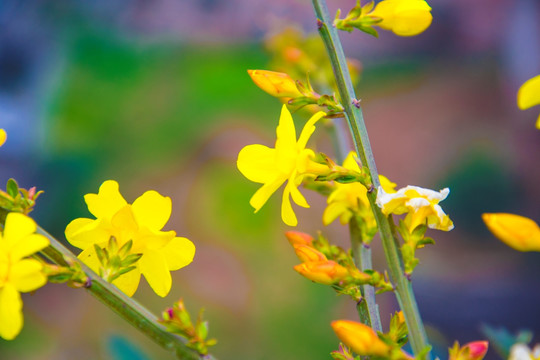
[(351, 104), (368, 310), (126, 307)]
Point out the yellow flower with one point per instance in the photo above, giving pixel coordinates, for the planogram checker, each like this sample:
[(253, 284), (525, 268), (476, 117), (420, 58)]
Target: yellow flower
[(288, 162), (403, 17), (18, 274), (3, 137), (274, 83), (360, 338), (140, 222), (348, 199), (326, 272), (420, 205), (529, 95), (516, 231)]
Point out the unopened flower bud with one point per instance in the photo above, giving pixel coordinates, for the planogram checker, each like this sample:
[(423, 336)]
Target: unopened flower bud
[(299, 238), (477, 349), (308, 254), (360, 338), (516, 231), (274, 83), (403, 17), (323, 272)]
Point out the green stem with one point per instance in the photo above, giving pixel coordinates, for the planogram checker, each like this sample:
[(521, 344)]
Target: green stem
[(123, 305), (351, 104), (367, 308)]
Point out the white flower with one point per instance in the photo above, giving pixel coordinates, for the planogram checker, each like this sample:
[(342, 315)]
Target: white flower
[(420, 205)]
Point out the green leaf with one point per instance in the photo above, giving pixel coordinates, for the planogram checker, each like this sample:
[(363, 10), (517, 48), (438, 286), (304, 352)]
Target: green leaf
[(12, 188)]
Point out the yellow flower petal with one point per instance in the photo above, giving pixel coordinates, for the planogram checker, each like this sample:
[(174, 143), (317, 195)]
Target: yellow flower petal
[(11, 318), (308, 129), (84, 233), (28, 246), (332, 211), (257, 163), (154, 268), (17, 227), (152, 210), (129, 282), (286, 133), (125, 220), (107, 201), (516, 231), (178, 253), (262, 195), (297, 196), (529, 93), (26, 275), (3, 137), (89, 257), (287, 213)]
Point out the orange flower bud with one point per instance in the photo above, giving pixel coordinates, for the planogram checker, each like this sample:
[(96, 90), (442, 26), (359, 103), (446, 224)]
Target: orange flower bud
[(323, 272), (308, 254), (516, 231), (299, 238), (360, 338), (275, 83)]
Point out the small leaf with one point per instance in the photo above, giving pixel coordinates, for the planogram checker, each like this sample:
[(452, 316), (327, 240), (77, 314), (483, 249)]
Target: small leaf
[(124, 250), (100, 254), (122, 272), (131, 259), (12, 188)]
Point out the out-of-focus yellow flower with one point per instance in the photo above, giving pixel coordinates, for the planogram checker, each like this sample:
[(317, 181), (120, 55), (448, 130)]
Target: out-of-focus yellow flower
[(516, 231), (360, 338), (140, 222), (326, 272), (3, 137), (348, 199), (18, 274), (521, 351), (288, 162), (420, 205), (529, 95), (403, 17), (274, 83)]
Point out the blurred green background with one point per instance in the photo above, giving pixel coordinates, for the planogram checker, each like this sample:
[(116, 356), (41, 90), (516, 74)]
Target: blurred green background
[(156, 96)]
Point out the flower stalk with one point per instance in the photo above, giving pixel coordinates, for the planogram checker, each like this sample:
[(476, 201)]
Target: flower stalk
[(367, 308), (129, 309), (351, 104)]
